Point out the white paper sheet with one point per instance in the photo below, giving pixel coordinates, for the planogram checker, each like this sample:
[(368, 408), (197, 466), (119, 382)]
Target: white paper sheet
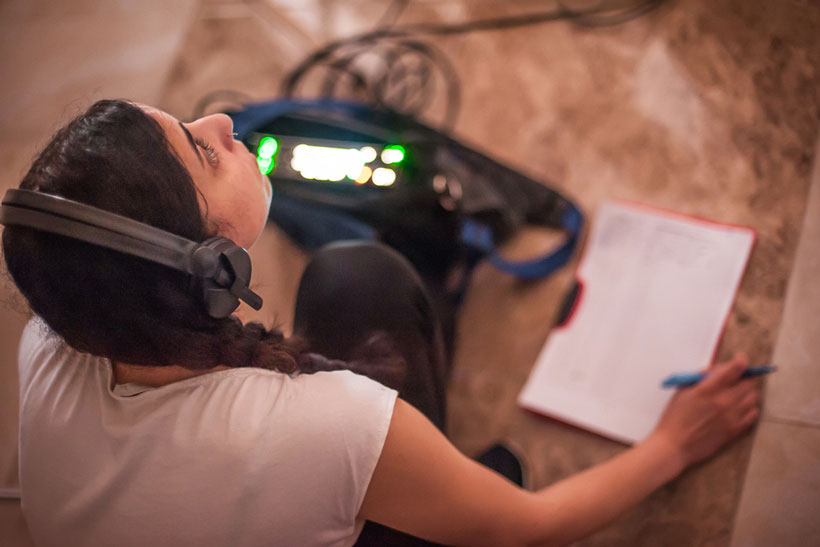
[(656, 290)]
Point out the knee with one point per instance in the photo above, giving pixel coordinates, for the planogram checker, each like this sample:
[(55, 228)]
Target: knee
[(345, 264)]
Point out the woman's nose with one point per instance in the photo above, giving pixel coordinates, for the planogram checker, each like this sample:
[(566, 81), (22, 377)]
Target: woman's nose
[(218, 126)]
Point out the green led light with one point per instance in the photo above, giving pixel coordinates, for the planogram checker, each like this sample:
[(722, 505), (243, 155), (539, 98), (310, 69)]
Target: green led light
[(267, 147), (265, 153), (393, 154), (265, 165)]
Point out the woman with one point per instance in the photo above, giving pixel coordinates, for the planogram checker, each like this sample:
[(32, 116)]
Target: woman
[(145, 421)]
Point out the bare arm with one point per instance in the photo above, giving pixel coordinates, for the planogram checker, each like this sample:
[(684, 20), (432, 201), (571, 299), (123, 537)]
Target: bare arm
[(424, 486)]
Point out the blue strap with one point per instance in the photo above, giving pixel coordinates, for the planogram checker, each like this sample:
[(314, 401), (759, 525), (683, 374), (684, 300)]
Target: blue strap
[(480, 237), (248, 119)]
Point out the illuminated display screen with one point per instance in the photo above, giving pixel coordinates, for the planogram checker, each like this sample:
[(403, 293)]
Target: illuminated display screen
[(312, 159)]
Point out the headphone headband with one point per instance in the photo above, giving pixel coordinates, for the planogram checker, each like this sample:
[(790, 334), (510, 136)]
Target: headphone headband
[(77, 220), (223, 266)]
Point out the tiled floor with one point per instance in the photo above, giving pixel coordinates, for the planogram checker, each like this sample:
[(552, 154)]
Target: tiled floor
[(710, 109), (781, 492)]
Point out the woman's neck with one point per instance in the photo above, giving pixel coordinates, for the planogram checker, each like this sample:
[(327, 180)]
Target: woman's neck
[(155, 376)]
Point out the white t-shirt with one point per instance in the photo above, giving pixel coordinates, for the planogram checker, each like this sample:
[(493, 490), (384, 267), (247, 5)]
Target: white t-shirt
[(232, 458)]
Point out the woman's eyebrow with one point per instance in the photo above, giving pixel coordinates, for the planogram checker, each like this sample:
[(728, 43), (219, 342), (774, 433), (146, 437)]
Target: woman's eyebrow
[(192, 143)]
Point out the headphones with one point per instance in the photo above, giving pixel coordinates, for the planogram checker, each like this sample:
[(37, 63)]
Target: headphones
[(223, 267)]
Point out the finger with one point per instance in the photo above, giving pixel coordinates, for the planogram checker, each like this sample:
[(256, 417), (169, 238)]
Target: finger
[(749, 418), (738, 413), (751, 400), (747, 401), (742, 390), (724, 375), (738, 356)]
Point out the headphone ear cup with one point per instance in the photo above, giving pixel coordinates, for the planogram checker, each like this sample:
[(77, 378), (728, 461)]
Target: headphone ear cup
[(226, 279), (220, 270)]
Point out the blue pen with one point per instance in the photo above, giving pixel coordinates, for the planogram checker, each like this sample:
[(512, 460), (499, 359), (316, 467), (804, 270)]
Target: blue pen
[(687, 379)]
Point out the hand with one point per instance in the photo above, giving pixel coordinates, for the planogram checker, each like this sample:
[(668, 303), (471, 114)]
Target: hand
[(700, 419)]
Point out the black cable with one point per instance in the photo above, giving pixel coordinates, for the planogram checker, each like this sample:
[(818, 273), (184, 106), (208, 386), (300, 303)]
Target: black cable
[(404, 80), (408, 68), (600, 16), (412, 90), (615, 16)]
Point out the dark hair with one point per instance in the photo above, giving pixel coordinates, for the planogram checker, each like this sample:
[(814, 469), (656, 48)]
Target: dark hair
[(117, 158)]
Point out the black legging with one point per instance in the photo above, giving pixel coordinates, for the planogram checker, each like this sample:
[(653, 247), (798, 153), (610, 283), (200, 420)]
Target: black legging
[(351, 291)]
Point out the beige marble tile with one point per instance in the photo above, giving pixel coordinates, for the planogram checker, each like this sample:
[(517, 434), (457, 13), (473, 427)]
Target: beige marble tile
[(781, 496), (38, 9), (793, 392), (16, 156), (13, 529), (57, 59)]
